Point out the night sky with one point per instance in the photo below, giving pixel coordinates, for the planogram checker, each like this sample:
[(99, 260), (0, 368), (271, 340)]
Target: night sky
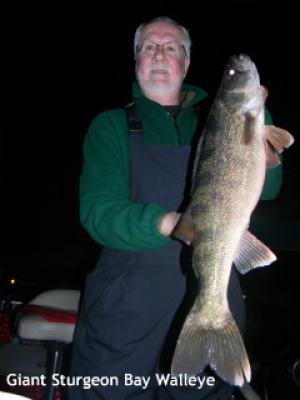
[(60, 67)]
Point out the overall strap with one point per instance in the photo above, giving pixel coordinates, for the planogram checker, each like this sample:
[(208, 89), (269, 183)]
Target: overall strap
[(134, 120)]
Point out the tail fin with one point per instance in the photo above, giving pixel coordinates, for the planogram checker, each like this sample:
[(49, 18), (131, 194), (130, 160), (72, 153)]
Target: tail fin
[(222, 348)]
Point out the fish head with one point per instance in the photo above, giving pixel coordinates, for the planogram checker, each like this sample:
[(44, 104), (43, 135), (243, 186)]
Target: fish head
[(240, 89)]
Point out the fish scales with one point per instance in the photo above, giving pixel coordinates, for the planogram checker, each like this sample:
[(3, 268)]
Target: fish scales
[(220, 195), (228, 179)]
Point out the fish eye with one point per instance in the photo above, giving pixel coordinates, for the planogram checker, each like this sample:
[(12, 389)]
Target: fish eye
[(232, 72)]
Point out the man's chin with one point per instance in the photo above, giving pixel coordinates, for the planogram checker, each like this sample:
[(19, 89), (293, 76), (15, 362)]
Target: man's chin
[(159, 86)]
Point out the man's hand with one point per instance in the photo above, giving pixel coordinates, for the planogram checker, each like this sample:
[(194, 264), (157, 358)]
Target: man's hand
[(167, 223)]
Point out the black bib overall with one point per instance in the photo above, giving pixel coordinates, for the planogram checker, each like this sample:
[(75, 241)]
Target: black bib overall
[(134, 302)]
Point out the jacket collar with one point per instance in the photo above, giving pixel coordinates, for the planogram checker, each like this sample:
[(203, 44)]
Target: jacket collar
[(190, 95)]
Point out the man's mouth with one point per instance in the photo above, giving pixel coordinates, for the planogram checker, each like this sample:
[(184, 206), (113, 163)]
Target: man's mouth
[(159, 71)]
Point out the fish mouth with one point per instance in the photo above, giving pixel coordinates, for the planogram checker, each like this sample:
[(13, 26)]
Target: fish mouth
[(243, 63)]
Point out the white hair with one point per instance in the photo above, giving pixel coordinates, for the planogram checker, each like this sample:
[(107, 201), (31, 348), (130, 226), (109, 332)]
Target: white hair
[(187, 43)]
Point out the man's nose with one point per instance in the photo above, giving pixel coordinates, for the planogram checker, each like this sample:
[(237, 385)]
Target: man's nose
[(159, 53)]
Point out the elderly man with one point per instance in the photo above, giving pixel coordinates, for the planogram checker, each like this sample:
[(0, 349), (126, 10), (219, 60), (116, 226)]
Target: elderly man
[(132, 189)]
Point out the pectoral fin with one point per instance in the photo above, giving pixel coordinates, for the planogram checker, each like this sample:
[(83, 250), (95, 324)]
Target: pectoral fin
[(252, 254), (249, 128), (184, 229), (276, 141)]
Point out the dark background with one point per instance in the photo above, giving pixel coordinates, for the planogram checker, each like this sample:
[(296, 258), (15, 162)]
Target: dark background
[(60, 66)]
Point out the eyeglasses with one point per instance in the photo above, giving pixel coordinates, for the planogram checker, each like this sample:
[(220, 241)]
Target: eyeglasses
[(171, 49)]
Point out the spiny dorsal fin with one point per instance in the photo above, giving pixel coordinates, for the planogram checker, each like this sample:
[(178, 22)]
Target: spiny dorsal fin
[(184, 229)]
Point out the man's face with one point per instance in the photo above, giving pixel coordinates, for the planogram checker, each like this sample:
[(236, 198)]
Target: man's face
[(161, 63)]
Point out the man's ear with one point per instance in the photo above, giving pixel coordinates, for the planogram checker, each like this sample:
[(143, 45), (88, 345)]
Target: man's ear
[(186, 66)]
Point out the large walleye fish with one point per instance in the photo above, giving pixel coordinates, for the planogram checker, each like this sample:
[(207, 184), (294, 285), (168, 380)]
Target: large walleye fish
[(232, 156)]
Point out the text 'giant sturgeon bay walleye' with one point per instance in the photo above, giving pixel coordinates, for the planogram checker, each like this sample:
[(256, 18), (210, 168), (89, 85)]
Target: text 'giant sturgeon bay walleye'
[(229, 171)]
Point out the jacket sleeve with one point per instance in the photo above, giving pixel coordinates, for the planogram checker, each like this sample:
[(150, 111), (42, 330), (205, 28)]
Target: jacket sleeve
[(106, 211), (273, 180)]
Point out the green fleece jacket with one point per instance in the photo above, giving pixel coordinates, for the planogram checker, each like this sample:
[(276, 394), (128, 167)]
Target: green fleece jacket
[(106, 211)]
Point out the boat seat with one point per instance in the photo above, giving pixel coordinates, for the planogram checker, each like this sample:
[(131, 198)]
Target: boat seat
[(49, 316)]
